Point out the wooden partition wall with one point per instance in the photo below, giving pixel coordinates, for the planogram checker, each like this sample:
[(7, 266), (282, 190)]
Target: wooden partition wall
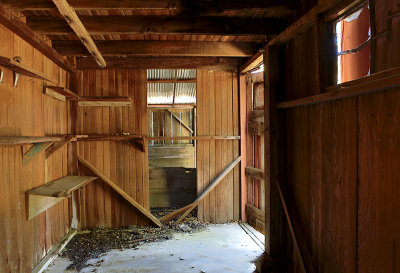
[(121, 161), (218, 114), (341, 158), (26, 111)]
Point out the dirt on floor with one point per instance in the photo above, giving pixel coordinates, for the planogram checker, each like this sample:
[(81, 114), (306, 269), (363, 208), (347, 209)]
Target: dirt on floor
[(91, 244)]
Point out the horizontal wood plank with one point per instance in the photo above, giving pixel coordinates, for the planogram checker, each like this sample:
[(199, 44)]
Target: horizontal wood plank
[(103, 102), (159, 48), (255, 127), (214, 63), (373, 83), (100, 25), (18, 140), (255, 172)]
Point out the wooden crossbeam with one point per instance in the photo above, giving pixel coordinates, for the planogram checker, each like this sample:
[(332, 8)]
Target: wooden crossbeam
[(193, 138), (213, 63), (373, 83), (103, 101), (100, 25), (187, 209), (255, 127), (159, 48), (75, 23), (36, 149), (176, 5), (127, 197), (255, 172), (22, 30)]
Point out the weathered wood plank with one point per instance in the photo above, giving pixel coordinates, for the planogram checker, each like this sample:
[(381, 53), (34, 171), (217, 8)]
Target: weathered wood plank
[(75, 23), (35, 150), (100, 25), (62, 187), (22, 30), (120, 191), (159, 48), (255, 172)]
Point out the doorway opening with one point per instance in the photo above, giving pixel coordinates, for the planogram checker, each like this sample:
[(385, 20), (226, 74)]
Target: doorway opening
[(171, 102)]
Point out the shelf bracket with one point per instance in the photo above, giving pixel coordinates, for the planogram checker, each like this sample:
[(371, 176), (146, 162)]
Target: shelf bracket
[(16, 77)]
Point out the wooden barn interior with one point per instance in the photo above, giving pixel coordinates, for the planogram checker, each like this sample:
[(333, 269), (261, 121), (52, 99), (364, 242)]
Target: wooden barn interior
[(283, 114)]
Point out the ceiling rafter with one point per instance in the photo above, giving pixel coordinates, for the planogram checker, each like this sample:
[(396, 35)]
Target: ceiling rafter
[(75, 23), (161, 25), (159, 48)]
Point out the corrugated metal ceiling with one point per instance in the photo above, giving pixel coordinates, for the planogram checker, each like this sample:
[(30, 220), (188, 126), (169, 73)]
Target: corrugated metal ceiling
[(163, 93)]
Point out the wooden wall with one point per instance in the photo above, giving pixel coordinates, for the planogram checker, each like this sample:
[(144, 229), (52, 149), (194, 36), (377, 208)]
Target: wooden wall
[(121, 161), (342, 163), (26, 111), (218, 114)]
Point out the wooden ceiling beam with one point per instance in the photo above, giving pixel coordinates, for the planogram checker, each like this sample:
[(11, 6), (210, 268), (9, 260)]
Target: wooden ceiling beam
[(161, 25), (23, 31), (159, 48), (75, 23), (213, 63), (178, 5)]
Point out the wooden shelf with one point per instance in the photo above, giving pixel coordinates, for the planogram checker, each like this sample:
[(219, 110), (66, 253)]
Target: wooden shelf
[(62, 187), (47, 195), (23, 69), (103, 101), (60, 93), (18, 140)]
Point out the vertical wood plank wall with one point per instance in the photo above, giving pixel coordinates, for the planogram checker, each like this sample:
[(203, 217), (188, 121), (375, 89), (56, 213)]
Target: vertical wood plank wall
[(218, 114), (26, 111), (121, 161), (343, 163)]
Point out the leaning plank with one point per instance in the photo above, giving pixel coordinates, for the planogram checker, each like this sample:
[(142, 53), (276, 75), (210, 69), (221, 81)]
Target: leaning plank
[(53, 253), (187, 209), (75, 23), (255, 212), (57, 145), (120, 191), (35, 150), (373, 83), (62, 187), (299, 241)]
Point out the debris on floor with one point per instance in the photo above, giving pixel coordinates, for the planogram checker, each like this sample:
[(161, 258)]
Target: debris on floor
[(210, 249), (91, 244)]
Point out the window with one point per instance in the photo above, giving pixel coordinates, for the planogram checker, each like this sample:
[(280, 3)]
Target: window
[(353, 36)]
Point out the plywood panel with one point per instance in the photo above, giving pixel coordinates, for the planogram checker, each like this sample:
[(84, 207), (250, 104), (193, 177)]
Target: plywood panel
[(217, 113), (25, 111), (121, 161)]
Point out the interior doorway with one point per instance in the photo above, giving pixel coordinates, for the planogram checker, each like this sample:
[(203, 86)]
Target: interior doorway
[(171, 101)]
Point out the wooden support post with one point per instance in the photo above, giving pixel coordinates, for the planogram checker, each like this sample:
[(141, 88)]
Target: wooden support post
[(187, 209), (274, 153), (120, 191), (35, 150), (75, 23)]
